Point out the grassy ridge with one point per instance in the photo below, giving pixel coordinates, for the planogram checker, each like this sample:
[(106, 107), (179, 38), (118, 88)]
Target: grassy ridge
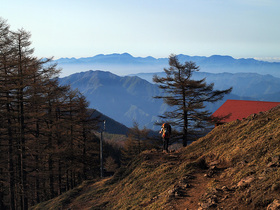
[(246, 155)]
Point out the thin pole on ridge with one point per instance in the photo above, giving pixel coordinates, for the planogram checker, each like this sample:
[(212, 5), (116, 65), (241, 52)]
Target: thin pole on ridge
[(101, 150)]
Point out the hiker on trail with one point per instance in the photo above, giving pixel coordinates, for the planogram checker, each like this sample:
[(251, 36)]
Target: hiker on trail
[(165, 134)]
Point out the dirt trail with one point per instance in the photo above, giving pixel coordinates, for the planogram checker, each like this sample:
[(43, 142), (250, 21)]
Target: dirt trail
[(201, 185), (194, 193)]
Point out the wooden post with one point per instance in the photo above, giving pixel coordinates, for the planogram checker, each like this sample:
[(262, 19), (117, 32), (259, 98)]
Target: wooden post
[(101, 151)]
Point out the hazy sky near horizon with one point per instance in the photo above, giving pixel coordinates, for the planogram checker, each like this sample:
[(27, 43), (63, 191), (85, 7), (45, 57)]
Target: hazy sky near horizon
[(84, 28)]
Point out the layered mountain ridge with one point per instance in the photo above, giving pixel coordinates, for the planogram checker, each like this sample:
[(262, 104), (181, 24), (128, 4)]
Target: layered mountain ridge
[(129, 99), (122, 64)]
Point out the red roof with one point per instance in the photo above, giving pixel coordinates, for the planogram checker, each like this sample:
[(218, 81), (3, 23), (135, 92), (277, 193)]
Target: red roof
[(239, 109)]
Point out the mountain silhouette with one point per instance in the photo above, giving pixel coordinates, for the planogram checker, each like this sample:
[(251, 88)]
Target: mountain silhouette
[(126, 99)]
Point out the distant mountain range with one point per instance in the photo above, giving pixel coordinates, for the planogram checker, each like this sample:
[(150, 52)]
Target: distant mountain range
[(123, 64), (130, 98)]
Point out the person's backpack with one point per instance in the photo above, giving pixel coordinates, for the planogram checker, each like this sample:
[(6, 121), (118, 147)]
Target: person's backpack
[(166, 130)]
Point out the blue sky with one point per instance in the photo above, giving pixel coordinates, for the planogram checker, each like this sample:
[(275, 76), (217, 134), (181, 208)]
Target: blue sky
[(84, 28)]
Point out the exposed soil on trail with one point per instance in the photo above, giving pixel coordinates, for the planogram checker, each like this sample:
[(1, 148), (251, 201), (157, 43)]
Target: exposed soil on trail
[(204, 189), (197, 188), (203, 185)]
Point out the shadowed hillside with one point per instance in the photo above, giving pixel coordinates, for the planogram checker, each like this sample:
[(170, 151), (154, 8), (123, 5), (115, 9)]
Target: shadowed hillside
[(236, 166), (111, 126)]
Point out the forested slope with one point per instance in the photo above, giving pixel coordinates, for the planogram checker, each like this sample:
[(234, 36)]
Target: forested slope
[(47, 140)]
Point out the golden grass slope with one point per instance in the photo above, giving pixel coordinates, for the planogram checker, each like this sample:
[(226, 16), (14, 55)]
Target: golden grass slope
[(236, 166)]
